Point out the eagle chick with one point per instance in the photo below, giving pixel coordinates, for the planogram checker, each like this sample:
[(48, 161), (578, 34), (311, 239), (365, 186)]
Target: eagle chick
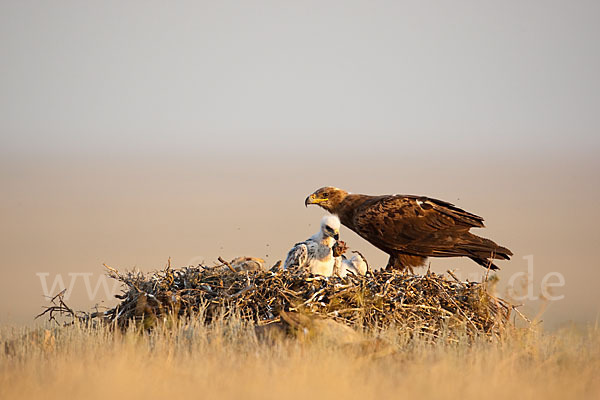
[(315, 254)]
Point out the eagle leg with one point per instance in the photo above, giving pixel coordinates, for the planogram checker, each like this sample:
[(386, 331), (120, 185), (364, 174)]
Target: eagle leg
[(405, 263)]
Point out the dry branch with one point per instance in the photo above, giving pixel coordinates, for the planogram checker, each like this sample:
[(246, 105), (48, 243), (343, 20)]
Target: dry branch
[(431, 303)]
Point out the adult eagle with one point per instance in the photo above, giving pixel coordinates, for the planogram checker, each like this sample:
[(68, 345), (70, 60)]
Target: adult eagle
[(411, 228)]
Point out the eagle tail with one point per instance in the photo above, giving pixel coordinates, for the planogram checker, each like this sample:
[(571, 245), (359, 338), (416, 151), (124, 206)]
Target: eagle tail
[(485, 263), (483, 251)]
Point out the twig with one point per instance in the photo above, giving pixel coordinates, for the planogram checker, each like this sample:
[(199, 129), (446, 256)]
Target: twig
[(451, 273), (226, 264)]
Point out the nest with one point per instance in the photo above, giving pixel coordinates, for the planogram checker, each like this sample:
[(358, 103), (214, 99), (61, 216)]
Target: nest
[(430, 303)]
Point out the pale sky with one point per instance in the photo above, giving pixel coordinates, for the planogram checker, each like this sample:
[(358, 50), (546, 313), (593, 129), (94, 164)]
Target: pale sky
[(183, 77)]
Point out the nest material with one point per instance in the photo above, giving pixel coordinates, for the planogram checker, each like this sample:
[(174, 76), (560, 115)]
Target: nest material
[(430, 303)]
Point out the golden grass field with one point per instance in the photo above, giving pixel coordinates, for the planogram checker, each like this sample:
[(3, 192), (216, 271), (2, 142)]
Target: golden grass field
[(227, 360)]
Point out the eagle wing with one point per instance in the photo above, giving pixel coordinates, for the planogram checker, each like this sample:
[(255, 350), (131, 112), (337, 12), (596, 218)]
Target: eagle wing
[(297, 256), (412, 224)]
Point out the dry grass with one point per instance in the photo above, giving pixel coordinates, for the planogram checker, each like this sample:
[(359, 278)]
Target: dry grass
[(227, 360)]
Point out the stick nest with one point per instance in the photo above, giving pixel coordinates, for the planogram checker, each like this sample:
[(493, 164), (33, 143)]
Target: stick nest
[(430, 303)]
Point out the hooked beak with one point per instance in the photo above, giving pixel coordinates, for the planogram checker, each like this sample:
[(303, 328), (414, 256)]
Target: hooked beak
[(312, 199), (336, 236), (308, 200)]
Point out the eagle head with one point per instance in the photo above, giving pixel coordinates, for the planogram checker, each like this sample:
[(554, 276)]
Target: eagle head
[(330, 226), (327, 197)]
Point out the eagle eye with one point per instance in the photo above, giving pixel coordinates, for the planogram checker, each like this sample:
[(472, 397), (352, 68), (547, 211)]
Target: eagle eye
[(325, 194)]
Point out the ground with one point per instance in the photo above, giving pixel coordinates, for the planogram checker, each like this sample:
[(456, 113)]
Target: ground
[(228, 361)]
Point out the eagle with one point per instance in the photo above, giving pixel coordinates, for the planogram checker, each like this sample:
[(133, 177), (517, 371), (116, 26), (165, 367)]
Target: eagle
[(357, 265), (316, 254), (411, 228)]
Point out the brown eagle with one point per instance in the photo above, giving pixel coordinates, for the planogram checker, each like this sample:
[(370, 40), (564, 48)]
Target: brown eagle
[(411, 228)]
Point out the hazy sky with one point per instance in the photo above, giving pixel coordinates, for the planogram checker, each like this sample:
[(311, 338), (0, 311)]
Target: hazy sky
[(161, 77), (131, 131)]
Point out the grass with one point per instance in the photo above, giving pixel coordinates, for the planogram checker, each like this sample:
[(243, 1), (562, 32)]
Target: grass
[(228, 361)]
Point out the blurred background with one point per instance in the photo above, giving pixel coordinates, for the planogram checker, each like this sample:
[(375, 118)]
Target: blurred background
[(136, 131)]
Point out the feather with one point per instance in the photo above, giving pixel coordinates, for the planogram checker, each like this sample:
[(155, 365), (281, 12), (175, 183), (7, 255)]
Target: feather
[(296, 257), (410, 228)]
